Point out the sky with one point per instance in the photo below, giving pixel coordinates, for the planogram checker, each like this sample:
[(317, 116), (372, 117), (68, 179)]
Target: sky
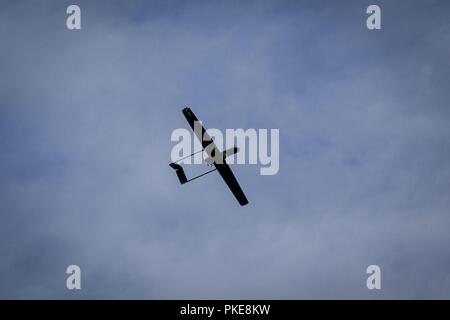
[(85, 123)]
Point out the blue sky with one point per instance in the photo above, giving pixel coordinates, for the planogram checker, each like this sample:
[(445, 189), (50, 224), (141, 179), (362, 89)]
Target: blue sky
[(85, 124)]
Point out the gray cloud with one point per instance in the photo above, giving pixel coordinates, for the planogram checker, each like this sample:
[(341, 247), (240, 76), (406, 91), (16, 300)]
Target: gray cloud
[(85, 124)]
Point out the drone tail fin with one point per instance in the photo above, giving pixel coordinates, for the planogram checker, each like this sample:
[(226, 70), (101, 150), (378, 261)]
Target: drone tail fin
[(180, 172)]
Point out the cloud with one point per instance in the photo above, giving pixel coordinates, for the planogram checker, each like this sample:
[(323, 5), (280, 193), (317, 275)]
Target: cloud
[(85, 124)]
